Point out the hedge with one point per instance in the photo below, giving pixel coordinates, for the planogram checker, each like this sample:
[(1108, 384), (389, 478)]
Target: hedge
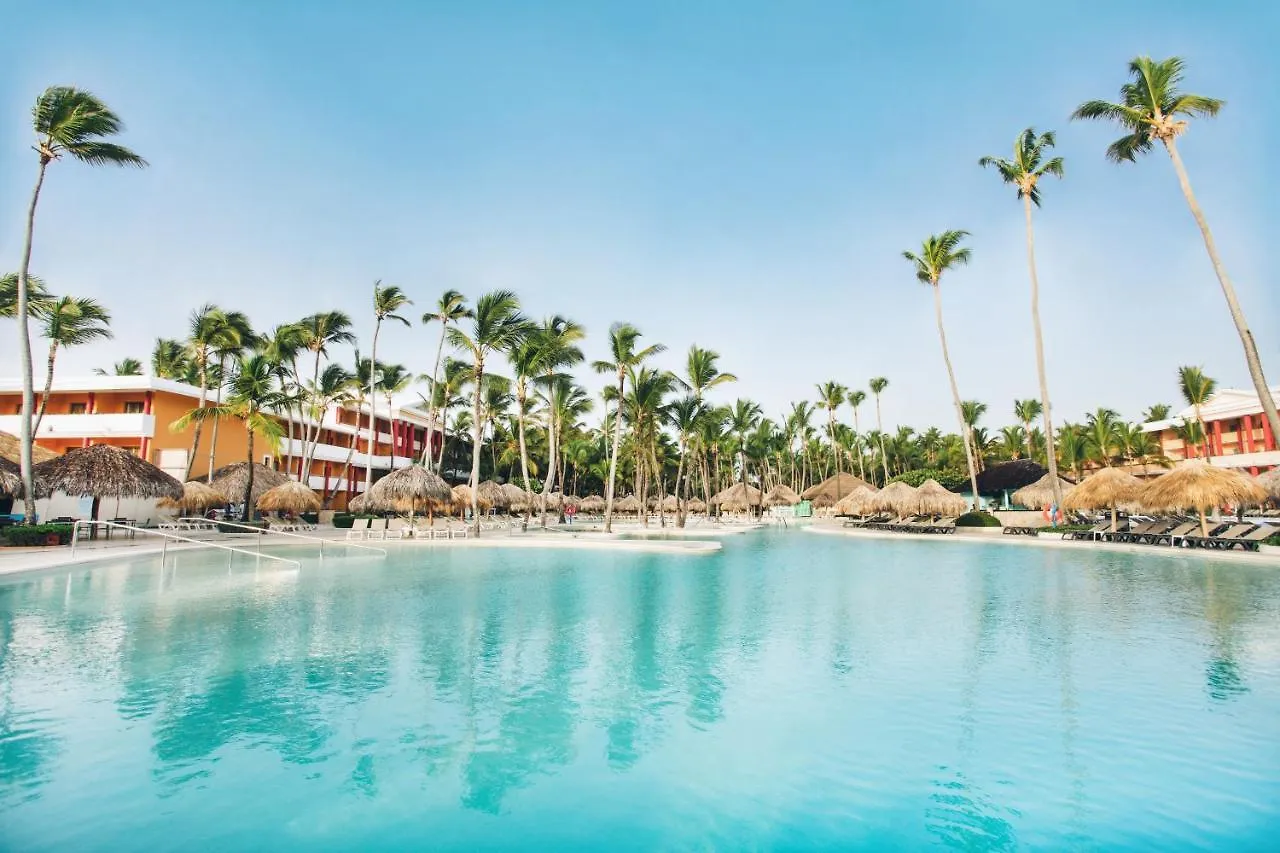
[(978, 519), (950, 478), (21, 535)]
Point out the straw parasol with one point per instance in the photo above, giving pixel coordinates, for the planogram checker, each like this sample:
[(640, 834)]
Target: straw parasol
[(409, 488), (671, 504), (232, 480), (1200, 486), (737, 498), (197, 496), (11, 449), (1039, 495), (103, 471), (830, 490), (896, 497), (628, 504), (10, 478), (592, 503), (359, 505), (697, 505), (1107, 489), (289, 497), (490, 493), (1270, 481), (461, 496), (780, 495), (858, 502), (516, 496), (933, 498)]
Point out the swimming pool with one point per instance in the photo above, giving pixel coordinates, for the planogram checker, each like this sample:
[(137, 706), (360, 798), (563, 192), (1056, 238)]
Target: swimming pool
[(791, 691)]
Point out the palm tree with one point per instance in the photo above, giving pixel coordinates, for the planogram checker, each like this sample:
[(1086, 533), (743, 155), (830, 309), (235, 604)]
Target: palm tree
[(235, 336), (831, 396), (281, 347), (856, 399), (744, 417), (386, 302), (1102, 440), (394, 379), (624, 356), (1024, 171), (496, 326), (317, 333), (169, 361), (684, 416), (207, 332), (702, 373), (124, 367), (557, 343), (1196, 389), (66, 121), (252, 394), (938, 254), (1156, 412), (335, 386), (972, 411), (877, 385), (69, 322), (1150, 109), (451, 307), (1027, 411), (37, 295)]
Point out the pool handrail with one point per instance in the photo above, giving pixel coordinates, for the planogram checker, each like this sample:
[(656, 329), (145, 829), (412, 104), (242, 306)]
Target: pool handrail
[(319, 539), (167, 536)]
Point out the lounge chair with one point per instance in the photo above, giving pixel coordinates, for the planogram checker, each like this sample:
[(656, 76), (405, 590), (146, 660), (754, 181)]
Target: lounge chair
[(1091, 534), (1174, 536), (1143, 532), (943, 525), (1247, 540), (1219, 536)]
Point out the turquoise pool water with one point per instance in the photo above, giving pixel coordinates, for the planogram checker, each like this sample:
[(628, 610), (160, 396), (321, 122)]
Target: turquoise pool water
[(795, 691)]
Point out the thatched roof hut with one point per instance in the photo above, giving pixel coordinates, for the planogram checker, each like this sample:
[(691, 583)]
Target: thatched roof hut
[(832, 489), (197, 496), (1007, 476), (737, 498), (671, 504), (935, 499), (592, 503), (462, 495), (409, 489), (697, 505), (515, 495), (1110, 488), (11, 449), (1270, 481), (628, 504), (490, 493), (103, 471), (359, 505), (289, 497), (896, 497), (231, 481), (10, 478), (1200, 486), (1039, 494), (781, 495), (860, 501)]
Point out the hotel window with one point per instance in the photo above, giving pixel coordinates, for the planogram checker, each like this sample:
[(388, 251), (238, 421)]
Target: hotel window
[(77, 409), (133, 407)]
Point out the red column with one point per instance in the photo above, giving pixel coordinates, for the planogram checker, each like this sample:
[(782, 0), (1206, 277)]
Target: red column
[(328, 466), (1217, 438), (1246, 424), (1268, 440)]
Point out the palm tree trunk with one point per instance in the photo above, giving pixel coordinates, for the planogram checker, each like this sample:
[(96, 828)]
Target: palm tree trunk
[(1045, 405), (435, 379), (48, 388), (351, 452), (1229, 291), (553, 433), (373, 404), (613, 456), (213, 435), (248, 486), (682, 490), (857, 431), (309, 439), (199, 426), (884, 457), (475, 449), (27, 434), (524, 454), (955, 396)]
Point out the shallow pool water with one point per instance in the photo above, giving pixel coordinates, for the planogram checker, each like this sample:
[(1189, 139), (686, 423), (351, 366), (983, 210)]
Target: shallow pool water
[(793, 691)]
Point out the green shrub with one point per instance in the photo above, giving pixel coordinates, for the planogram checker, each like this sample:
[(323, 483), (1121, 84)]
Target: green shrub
[(1065, 528), (343, 520), (949, 478), (21, 535), (1272, 540), (978, 519)]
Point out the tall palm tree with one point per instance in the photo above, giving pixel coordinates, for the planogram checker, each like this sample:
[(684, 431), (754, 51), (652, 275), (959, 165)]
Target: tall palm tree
[(169, 360), (1027, 411), (318, 332), (394, 379), (281, 347), (1156, 412), (684, 416), (252, 394), (1024, 171), (831, 396), (496, 326), (1196, 389), (335, 386), (743, 418), (235, 336), (557, 343), (877, 385), (623, 356), (37, 295), (386, 302), (451, 307), (938, 254), (123, 367), (856, 398), (66, 121), (1102, 439), (702, 373), (69, 322), (1152, 108), (972, 411)]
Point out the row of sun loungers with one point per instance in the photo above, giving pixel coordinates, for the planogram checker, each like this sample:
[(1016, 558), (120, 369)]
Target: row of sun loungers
[(904, 524), (1180, 532)]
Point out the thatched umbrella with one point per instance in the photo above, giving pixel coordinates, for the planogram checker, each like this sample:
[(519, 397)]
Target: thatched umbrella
[(490, 493), (409, 488), (628, 504), (737, 498), (232, 481), (1200, 486), (1107, 489), (832, 489), (1270, 481), (197, 496), (780, 495), (11, 449), (896, 497), (516, 496), (461, 497), (289, 497), (592, 503), (1039, 495), (359, 505), (671, 504), (10, 478), (935, 499), (697, 505), (858, 502), (102, 471)]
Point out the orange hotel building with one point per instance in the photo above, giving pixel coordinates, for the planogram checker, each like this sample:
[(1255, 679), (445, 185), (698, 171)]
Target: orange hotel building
[(135, 412), (1237, 434)]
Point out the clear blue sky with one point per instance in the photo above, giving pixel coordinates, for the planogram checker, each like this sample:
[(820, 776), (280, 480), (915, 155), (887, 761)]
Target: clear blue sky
[(743, 175)]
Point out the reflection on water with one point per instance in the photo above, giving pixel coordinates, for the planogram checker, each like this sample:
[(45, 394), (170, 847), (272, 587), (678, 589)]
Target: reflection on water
[(793, 690)]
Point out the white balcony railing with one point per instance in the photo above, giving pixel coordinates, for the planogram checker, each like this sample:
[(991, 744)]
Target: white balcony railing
[(87, 426)]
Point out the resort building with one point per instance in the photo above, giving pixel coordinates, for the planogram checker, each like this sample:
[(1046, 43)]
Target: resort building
[(1236, 433), (136, 413)]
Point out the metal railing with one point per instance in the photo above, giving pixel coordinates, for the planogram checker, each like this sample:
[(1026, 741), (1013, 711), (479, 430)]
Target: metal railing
[(167, 536), (318, 539)]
